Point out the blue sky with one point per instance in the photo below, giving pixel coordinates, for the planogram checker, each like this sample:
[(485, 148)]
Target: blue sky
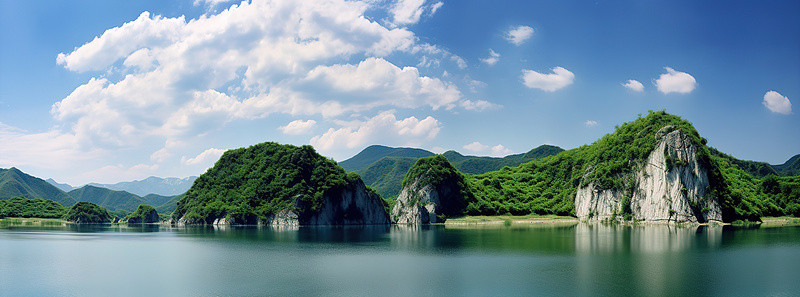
[(107, 91)]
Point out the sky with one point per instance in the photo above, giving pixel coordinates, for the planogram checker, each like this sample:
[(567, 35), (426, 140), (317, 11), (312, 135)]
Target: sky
[(109, 91)]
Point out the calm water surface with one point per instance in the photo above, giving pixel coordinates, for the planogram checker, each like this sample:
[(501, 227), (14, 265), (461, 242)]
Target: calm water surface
[(524, 260)]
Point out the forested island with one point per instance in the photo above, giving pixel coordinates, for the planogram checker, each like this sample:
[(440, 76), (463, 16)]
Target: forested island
[(654, 168)]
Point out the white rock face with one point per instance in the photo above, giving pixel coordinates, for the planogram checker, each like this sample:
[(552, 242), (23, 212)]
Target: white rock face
[(677, 194), (353, 205), (416, 205)]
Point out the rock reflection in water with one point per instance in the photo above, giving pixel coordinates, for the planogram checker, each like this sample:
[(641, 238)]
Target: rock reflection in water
[(612, 238)]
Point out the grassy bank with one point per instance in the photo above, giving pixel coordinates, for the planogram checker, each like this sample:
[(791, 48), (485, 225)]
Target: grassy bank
[(509, 219), (779, 222), (31, 222)]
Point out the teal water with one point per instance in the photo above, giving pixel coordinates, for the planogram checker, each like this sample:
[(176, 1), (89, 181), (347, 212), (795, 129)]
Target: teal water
[(524, 260)]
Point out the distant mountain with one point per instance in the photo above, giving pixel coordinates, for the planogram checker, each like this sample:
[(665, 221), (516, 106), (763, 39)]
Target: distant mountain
[(790, 168), (479, 165), (386, 174), (15, 183), (108, 199), (754, 168), (374, 153), (170, 186), (169, 206), (63, 187)]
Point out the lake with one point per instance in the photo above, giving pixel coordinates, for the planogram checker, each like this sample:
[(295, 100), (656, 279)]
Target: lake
[(520, 260)]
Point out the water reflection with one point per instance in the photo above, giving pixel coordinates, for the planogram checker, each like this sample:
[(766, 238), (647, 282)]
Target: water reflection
[(613, 238)]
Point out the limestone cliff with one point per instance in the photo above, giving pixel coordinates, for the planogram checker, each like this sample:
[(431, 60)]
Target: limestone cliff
[(352, 205), (433, 191), (274, 184), (671, 185)]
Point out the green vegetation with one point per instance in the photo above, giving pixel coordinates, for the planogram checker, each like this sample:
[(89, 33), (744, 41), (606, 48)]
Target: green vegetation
[(386, 175), (374, 153), (548, 185), (756, 169), (790, 168), (109, 199), (20, 207), (437, 172), (169, 206), (478, 165), (143, 214), (15, 183), (258, 181), (87, 212)]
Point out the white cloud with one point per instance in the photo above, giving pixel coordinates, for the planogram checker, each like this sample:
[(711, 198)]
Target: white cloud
[(478, 105), (559, 79), (500, 150), (172, 79), (298, 127), (777, 103), (590, 123), (675, 82), (476, 147), (409, 12), (492, 58), (519, 34), (634, 85), (49, 150), (459, 61), (208, 157), (474, 85), (379, 82), (384, 128), (209, 3), (497, 150)]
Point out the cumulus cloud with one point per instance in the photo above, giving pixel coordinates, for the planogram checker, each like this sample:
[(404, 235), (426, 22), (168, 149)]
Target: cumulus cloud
[(298, 127), (519, 34), (497, 150), (383, 128), (377, 78), (208, 156), (409, 12), (590, 123), (675, 82), (551, 82), (173, 78), (634, 85), (777, 103), (492, 58)]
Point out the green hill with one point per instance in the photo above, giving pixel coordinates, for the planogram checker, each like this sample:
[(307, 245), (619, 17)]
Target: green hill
[(21, 207), (478, 165), (790, 168), (754, 168), (108, 199), (170, 205), (15, 183), (87, 213), (256, 182), (374, 153), (549, 185), (386, 175)]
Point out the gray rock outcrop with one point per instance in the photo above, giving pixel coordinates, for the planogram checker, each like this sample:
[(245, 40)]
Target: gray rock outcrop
[(428, 204), (671, 186), (351, 205), (148, 218)]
